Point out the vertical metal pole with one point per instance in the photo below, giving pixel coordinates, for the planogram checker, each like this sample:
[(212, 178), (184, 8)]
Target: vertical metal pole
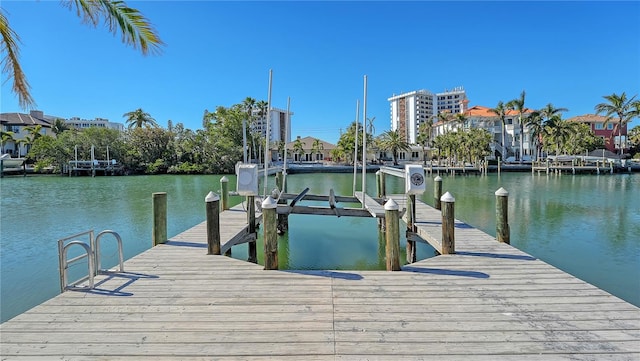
[(244, 141), (286, 136), (93, 164), (355, 148), (267, 157), (364, 144)]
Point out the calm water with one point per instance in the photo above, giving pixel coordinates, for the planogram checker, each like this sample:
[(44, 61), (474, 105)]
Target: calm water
[(586, 225)]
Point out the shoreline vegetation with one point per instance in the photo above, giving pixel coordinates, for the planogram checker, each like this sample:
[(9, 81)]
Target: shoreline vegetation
[(600, 167), (232, 134)]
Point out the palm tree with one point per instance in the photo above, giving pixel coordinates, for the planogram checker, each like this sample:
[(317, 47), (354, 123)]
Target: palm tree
[(518, 105), (370, 128), (317, 147), (248, 104), (549, 110), (140, 119), (444, 117), (501, 112), (620, 106), (424, 136), (6, 137), (460, 120), (59, 126), (298, 149), (34, 133), (536, 129), (558, 131), (392, 141), (135, 29), (634, 135), (263, 113)]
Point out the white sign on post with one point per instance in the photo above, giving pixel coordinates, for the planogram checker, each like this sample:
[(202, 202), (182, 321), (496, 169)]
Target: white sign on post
[(414, 179), (247, 182)]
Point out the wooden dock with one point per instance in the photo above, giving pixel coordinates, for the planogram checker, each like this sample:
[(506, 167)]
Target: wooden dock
[(489, 301)]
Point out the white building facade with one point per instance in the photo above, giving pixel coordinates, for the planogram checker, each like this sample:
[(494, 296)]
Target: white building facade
[(77, 123), (409, 110), (279, 125)]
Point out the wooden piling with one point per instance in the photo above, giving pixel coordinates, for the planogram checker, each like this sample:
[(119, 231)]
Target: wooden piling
[(437, 192), (392, 234), (251, 219), (502, 219), (411, 216), (378, 184), (269, 211), (448, 223), (159, 218), (383, 185), (499, 164), (224, 192), (213, 223)]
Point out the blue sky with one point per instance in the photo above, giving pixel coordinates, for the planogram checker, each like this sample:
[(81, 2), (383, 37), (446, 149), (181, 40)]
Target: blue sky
[(217, 53)]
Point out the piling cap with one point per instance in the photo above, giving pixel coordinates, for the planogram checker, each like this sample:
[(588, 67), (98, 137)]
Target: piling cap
[(502, 192), (391, 205), (269, 203), (438, 179), (224, 179), (211, 197), (447, 197)]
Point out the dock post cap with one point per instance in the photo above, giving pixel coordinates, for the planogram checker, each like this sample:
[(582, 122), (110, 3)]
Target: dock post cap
[(391, 205), (224, 179), (269, 203), (502, 192), (438, 179), (211, 197), (378, 172), (447, 197)]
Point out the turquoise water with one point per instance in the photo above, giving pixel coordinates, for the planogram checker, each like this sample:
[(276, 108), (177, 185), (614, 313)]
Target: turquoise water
[(586, 225)]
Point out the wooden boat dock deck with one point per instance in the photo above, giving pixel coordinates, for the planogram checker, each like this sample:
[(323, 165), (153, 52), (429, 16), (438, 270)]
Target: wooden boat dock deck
[(489, 301)]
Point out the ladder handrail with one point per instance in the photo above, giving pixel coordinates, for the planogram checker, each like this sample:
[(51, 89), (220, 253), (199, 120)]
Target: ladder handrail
[(64, 263), (92, 253), (97, 250)]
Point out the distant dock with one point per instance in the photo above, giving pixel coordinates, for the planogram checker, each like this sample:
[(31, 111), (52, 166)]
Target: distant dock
[(488, 301)]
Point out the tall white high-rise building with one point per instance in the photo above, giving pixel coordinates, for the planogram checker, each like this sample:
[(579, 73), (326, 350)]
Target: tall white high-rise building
[(409, 110), (451, 100), (279, 125)]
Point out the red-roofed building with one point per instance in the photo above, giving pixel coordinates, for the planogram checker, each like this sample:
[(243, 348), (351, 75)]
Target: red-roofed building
[(608, 131), (481, 117)]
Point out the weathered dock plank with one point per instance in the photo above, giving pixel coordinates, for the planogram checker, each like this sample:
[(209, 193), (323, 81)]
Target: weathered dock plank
[(489, 301), (375, 208)]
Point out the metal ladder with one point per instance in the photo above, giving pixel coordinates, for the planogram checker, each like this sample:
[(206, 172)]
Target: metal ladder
[(91, 253)]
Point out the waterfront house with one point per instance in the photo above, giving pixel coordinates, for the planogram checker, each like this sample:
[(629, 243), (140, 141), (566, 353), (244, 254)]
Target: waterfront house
[(18, 125), (608, 131), (319, 152)]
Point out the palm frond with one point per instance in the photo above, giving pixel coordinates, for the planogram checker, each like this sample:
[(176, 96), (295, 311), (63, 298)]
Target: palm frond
[(134, 28), (11, 65)]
